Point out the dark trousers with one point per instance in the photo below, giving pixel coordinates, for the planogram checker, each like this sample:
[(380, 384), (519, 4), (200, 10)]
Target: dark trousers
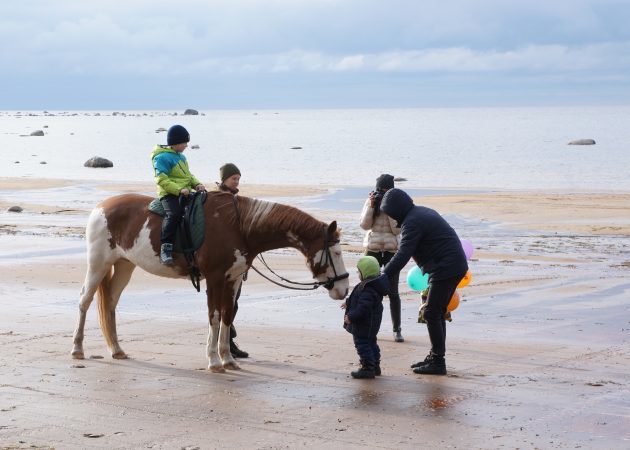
[(440, 294), (367, 348), (173, 211), (233, 333), (394, 299)]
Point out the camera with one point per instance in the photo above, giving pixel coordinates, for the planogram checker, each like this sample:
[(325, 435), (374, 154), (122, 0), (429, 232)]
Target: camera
[(376, 195)]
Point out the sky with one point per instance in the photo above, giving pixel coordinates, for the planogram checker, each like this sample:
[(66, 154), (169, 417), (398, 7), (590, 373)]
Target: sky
[(274, 54)]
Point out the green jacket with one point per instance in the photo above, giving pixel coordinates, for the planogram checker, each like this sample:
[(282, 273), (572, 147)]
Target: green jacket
[(171, 171)]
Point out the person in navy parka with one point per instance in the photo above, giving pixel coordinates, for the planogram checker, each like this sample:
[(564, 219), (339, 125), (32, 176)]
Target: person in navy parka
[(364, 311), (435, 247)]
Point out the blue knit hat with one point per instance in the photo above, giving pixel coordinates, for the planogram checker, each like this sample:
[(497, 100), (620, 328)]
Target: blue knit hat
[(177, 135)]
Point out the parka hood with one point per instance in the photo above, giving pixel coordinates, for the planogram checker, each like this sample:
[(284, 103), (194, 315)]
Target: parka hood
[(396, 204)]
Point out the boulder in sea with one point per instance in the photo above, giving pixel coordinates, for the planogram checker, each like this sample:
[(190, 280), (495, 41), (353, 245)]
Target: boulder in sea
[(161, 130), (582, 142), (296, 148), (97, 161), (37, 133), (400, 179), (191, 112), (194, 147), (15, 209)]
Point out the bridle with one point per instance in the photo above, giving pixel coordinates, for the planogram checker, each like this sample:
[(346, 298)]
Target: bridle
[(325, 260)]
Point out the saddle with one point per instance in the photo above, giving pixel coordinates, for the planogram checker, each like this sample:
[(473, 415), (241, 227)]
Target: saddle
[(190, 232)]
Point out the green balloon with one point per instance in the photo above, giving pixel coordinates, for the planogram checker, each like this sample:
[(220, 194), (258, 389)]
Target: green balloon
[(416, 280)]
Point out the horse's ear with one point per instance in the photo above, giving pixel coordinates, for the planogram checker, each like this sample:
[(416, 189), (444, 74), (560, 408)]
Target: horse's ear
[(332, 228)]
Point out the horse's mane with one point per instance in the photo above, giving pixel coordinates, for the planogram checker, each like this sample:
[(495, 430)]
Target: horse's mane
[(263, 215)]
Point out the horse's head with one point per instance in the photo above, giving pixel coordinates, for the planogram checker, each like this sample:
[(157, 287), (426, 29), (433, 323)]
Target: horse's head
[(326, 263)]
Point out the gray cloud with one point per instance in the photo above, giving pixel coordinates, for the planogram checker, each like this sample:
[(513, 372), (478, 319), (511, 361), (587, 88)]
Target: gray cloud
[(161, 41)]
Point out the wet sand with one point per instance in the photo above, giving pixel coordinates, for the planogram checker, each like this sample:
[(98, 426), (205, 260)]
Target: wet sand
[(538, 352)]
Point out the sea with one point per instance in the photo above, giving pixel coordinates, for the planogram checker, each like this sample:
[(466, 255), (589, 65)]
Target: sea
[(524, 148)]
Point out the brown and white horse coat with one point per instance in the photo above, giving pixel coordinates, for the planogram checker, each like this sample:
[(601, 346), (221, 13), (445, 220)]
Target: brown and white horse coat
[(122, 233)]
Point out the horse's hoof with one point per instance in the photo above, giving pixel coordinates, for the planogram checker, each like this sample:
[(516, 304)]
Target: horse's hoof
[(216, 369), (78, 354), (231, 365), (120, 355)]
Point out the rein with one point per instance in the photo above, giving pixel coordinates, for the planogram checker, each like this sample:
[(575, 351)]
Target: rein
[(324, 260)]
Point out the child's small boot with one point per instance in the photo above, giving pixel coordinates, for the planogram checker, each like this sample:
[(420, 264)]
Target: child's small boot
[(365, 371)]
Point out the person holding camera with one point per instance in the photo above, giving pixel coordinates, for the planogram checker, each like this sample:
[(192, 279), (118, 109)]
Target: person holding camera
[(381, 242)]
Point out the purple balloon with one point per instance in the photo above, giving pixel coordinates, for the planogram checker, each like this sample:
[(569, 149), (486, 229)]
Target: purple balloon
[(468, 248)]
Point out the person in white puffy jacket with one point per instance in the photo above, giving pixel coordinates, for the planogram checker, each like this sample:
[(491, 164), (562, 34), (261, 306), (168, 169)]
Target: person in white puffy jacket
[(381, 242)]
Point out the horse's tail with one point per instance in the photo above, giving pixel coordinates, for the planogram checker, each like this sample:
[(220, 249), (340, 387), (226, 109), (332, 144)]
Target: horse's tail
[(104, 300)]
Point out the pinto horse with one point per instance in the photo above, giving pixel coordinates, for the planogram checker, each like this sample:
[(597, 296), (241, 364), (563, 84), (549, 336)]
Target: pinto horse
[(122, 233)]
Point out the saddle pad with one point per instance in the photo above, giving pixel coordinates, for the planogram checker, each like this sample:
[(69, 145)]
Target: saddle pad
[(197, 222)]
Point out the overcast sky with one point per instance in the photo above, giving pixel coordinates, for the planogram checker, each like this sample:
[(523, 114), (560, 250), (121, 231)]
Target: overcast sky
[(205, 54)]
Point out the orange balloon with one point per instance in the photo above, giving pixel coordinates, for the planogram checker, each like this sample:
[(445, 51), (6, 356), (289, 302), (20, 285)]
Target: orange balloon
[(454, 303), (464, 282)]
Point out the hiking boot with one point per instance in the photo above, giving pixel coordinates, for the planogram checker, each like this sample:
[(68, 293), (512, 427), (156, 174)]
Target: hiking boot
[(365, 371), (426, 361), (437, 366), (166, 254), (398, 336), (377, 369), (237, 352)]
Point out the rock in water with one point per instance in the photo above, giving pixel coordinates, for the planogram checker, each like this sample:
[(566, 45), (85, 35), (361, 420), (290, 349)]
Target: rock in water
[(15, 209), (191, 112), (582, 142), (37, 133), (97, 161)]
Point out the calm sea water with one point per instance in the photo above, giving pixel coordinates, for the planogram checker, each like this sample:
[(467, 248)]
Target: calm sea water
[(513, 148)]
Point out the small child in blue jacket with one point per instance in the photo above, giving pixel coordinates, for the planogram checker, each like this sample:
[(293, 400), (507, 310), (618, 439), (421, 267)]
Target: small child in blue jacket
[(364, 311)]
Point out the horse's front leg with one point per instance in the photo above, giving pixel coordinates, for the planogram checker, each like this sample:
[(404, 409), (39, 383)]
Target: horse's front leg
[(214, 362)]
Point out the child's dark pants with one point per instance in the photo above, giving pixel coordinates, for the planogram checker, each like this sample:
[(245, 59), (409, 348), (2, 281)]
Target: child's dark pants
[(367, 348), (173, 211)]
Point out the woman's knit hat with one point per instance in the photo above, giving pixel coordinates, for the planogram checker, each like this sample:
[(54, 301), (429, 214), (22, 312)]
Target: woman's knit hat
[(227, 170), (385, 181), (177, 135), (368, 266)]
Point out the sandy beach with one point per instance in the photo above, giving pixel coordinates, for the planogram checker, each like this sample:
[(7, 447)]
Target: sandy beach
[(538, 353)]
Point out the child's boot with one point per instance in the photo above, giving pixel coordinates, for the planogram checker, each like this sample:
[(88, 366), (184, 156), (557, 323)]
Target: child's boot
[(365, 371), (166, 254)]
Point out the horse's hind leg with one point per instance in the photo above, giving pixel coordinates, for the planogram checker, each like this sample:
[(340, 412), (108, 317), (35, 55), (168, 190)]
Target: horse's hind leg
[(93, 278), (123, 270)]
